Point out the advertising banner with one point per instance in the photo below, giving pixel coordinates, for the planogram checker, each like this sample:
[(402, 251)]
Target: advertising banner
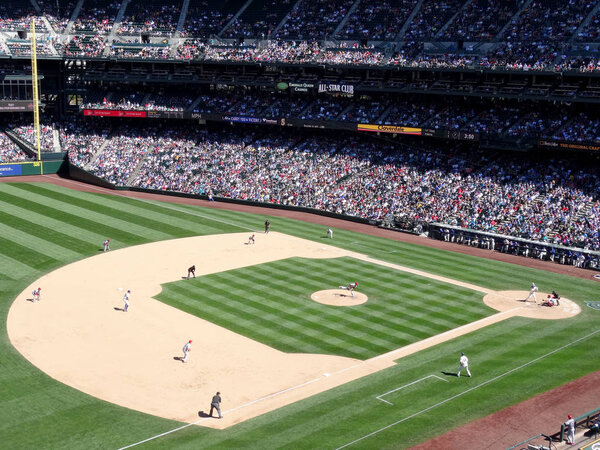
[(389, 129), (113, 113), (10, 170), (585, 146)]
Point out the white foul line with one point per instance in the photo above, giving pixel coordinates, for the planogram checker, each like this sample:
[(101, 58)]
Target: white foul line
[(406, 385), (225, 412), (467, 391)]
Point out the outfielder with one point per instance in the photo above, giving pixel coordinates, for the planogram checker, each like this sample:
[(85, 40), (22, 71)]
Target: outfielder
[(126, 300), (464, 364), (329, 233), (532, 292), (350, 287), (36, 294), (187, 348), (106, 245)]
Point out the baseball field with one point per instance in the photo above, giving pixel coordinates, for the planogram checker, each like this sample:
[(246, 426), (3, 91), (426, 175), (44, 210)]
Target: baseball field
[(295, 369)]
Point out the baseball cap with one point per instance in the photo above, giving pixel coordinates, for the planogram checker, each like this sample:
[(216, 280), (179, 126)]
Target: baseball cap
[(570, 416), (463, 353), (190, 341)]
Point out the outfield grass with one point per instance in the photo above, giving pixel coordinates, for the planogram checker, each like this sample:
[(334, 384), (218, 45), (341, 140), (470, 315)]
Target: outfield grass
[(44, 227)]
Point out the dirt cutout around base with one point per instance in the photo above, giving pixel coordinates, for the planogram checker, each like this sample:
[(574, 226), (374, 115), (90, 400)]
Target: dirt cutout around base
[(339, 297), (515, 301), (79, 335)]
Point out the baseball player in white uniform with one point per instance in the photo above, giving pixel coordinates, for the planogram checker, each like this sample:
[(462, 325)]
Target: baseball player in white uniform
[(36, 294), (464, 364), (532, 292), (329, 233), (186, 349), (251, 240), (570, 424), (106, 245), (350, 287), (126, 300)]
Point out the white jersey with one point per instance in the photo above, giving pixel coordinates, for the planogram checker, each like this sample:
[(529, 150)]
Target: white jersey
[(186, 347), (126, 297), (464, 361)]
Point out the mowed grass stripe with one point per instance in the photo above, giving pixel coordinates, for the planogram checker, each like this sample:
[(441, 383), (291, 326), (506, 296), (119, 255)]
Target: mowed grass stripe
[(305, 305), (302, 309), (428, 330), (311, 329), (277, 294), (78, 233), (226, 313), (26, 255), (84, 200), (15, 269), (152, 210), (85, 219), (38, 229), (23, 238), (148, 229), (276, 322)]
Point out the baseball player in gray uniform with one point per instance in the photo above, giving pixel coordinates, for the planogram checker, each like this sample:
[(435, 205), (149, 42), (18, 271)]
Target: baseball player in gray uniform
[(126, 300)]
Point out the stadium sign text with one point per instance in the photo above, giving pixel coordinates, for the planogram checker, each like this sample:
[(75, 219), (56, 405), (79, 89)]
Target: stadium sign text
[(347, 89), (389, 129)]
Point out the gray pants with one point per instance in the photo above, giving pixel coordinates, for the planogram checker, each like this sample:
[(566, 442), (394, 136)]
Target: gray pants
[(217, 407)]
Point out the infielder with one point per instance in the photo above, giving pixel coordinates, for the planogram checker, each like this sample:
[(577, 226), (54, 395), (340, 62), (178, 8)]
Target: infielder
[(106, 245), (187, 348), (251, 240), (464, 364), (36, 294), (532, 292), (126, 300), (216, 404), (329, 233), (192, 271), (350, 287)]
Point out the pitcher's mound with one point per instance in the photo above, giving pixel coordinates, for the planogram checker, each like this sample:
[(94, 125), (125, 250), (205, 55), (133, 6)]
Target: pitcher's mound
[(339, 297), (508, 300)]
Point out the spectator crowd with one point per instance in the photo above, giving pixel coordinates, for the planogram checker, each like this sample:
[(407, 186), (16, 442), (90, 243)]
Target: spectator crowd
[(549, 201)]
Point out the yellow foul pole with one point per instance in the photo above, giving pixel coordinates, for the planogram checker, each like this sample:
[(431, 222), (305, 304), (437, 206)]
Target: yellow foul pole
[(34, 83)]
